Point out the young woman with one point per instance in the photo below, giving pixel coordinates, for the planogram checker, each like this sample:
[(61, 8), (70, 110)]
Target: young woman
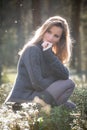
[(41, 69)]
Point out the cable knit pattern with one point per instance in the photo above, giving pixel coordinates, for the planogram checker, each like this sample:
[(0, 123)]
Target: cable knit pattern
[(37, 70)]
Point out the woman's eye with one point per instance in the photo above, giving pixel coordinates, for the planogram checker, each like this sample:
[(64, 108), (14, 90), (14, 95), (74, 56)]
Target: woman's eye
[(56, 36), (49, 31)]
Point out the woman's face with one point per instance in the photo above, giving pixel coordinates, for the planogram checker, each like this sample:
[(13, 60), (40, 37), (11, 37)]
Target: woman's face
[(53, 35)]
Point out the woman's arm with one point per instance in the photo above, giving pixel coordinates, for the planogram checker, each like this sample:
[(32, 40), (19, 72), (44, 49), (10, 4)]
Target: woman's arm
[(58, 68), (32, 60)]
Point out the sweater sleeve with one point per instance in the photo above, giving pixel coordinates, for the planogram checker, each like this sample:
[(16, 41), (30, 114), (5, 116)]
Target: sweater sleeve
[(32, 60), (57, 67)]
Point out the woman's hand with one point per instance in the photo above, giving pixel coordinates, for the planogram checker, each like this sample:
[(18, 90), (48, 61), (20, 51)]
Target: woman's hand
[(46, 45)]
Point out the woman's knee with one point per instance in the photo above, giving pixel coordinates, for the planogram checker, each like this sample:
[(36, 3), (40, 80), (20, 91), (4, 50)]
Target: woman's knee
[(71, 83)]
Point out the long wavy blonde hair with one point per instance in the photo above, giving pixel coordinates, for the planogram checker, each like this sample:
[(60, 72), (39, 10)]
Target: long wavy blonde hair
[(63, 48)]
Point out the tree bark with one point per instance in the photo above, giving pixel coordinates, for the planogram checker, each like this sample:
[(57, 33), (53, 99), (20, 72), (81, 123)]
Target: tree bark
[(75, 23), (19, 24), (36, 13), (1, 19)]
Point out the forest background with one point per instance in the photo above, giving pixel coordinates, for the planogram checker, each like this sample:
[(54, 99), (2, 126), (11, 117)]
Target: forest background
[(20, 18)]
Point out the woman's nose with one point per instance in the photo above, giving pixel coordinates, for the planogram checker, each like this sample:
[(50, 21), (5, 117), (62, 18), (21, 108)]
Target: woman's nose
[(50, 38)]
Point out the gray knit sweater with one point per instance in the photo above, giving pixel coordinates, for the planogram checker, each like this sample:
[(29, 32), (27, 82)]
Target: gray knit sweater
[(37, 70)]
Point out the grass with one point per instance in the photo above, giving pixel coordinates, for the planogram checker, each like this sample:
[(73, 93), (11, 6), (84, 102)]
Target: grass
[(9, 75)]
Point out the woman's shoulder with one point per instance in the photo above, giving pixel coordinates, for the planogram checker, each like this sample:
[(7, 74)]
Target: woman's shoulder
[(31, 49)]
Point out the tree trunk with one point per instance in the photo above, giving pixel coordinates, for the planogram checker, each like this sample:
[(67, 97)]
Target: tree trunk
[(75, 21), (36, 13), (19, 24), (1, 19), (47, 7)]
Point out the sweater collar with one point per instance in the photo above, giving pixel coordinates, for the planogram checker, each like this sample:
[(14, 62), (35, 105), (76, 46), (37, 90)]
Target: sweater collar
[(39, 44)]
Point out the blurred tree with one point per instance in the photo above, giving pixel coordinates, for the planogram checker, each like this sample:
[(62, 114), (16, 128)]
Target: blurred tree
[(75, 20), (27, 19), (1, 20), (36, 13), (19, 23), (45, 10), (84, 35)]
